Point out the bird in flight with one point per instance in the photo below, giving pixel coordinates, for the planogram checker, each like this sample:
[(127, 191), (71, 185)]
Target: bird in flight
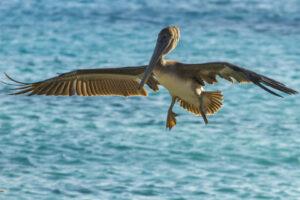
[(185, 82)]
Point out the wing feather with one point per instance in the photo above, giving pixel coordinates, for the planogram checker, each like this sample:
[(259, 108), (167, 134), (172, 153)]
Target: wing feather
[(66, 91), (89, 82), (91, 88), (84, 90), (47, 88), (209, 71)]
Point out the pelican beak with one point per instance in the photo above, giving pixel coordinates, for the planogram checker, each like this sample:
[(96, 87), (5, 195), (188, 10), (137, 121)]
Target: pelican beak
[(160, 48)]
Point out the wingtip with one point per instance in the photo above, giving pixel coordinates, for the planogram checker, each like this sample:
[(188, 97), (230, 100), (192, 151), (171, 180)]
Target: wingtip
[(294, 92), (4, 83), (13, 80), (7, 76)]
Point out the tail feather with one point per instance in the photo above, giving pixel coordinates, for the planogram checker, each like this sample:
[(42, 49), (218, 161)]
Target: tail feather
[(212, 101)]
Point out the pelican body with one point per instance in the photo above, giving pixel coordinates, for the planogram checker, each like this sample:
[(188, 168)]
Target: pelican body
[(185, 82)]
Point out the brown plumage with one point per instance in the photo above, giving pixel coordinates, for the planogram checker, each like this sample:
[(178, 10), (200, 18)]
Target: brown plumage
[(213, 104), (185, 82), (230, 72), (89, 82)]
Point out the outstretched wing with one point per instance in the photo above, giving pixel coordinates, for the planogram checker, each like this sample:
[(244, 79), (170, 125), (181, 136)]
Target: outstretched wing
[(207, 72), (90, 82)]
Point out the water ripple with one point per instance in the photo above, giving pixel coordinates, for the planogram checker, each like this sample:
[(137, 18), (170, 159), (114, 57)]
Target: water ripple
[(118, 148)]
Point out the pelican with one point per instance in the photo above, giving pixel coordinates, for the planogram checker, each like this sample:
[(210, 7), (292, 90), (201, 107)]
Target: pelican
[(185, 82)]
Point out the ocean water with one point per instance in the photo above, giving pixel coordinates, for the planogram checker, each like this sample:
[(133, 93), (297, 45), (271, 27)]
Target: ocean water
[(117, 147)]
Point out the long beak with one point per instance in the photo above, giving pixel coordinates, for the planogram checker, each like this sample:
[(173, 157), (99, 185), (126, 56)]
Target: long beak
[(156, 56)]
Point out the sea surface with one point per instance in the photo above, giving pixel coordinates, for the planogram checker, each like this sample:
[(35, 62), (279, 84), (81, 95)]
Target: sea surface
[(118, 148)]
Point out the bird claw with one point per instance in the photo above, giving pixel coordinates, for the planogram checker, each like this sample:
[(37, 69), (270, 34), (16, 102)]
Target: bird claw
[(171, 120)]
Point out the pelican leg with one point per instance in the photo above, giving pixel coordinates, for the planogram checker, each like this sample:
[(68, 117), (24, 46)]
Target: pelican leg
[(171, 120), (202, 112)]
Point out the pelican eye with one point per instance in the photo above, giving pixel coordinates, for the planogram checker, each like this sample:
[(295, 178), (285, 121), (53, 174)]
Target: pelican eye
[(166, 36)]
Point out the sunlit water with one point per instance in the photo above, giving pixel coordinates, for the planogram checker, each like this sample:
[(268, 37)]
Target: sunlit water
[(118, 148)]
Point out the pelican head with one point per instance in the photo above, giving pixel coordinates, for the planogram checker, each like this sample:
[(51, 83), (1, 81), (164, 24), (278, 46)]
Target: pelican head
[(167, 40)]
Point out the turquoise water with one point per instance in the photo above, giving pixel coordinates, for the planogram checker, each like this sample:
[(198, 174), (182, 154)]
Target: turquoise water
[(118, 148)]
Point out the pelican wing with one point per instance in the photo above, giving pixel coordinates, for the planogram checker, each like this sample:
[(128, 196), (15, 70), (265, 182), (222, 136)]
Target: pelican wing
[(207, 72), (90, 82)]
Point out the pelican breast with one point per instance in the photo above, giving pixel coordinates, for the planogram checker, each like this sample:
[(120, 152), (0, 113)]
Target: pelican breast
[(179, 86)]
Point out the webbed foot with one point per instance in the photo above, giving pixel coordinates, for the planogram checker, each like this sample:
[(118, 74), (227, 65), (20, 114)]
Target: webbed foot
[(171, 120)]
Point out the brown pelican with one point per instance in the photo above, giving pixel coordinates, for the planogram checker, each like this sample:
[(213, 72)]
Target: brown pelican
[(185, 82)]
